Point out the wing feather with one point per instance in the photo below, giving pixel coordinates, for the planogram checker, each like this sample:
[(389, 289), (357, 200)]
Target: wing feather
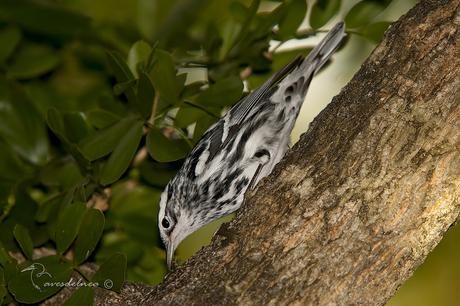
[(240, 111)]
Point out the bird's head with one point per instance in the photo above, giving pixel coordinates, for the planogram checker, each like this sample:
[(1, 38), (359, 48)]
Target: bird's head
[(176, 221)]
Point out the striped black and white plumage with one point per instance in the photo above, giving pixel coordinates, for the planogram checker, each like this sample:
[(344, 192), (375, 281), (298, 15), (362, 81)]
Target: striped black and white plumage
[(240, 149)]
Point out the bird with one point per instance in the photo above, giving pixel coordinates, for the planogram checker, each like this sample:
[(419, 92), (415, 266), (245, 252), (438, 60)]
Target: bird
[(241, 148)]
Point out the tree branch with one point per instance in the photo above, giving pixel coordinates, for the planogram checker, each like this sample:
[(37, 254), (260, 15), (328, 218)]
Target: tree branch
[(360, 201)]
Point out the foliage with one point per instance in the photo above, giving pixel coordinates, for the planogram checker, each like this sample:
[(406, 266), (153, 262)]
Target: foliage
[(99, 103)]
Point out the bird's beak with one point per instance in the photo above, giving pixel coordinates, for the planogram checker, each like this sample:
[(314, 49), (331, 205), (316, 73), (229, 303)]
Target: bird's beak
[(170, 248)]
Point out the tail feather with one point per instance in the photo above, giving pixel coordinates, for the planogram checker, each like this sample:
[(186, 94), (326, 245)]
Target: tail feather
[(300, 67), (323, 51)]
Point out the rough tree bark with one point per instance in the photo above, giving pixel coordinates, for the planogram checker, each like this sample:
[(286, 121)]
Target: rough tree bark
[(360, 201)]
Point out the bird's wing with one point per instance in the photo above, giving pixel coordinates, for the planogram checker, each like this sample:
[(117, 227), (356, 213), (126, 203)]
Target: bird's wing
[(240, 111), (222, 131)]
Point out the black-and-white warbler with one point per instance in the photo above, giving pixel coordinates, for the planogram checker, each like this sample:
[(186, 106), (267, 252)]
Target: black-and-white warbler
[(240, 149)]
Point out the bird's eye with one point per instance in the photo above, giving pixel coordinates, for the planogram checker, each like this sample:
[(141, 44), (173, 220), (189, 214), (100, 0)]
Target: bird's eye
[(165, 223)]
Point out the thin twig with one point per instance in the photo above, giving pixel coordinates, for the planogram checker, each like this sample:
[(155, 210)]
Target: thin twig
[(77, 269), (201, 108)]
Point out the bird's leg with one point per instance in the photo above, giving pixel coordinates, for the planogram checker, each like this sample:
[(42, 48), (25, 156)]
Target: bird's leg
[(264, 157), (254, 178)]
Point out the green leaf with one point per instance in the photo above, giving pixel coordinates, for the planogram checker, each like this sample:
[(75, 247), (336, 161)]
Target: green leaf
[(5, 191), (51, 213), (44, 18), (47, 208), (56, 123), (89, 234), (202, 126), (294, 15), (187, 115), (123, 244), (68, 225), (374, 32), (123, 75), (120, 88), (100, 118), (12, 168), (4, 257), (2, 281), (122, 155), (2, 286), (119, 67), (138, 55), (174, 19), (23, 212), (112, 273), (76, 126), (9, 39), (20, 125), (32, 60), (238, 11), (192, 89), (223, 93), (364, 12), (104, 141), (10, 270), (34, 280), (322, 11), (60, 172), (230, 34), (134, 225), (149, 13), (163, 149), (265, 22), (237, 33), (163, 76), (131, 234), (146, 94), (21, 234), (83, 296), (156, 174), (139, 215), (180, 80)]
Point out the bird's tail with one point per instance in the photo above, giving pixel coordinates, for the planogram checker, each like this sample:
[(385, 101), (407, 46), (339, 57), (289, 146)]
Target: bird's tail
[(323, 51)]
